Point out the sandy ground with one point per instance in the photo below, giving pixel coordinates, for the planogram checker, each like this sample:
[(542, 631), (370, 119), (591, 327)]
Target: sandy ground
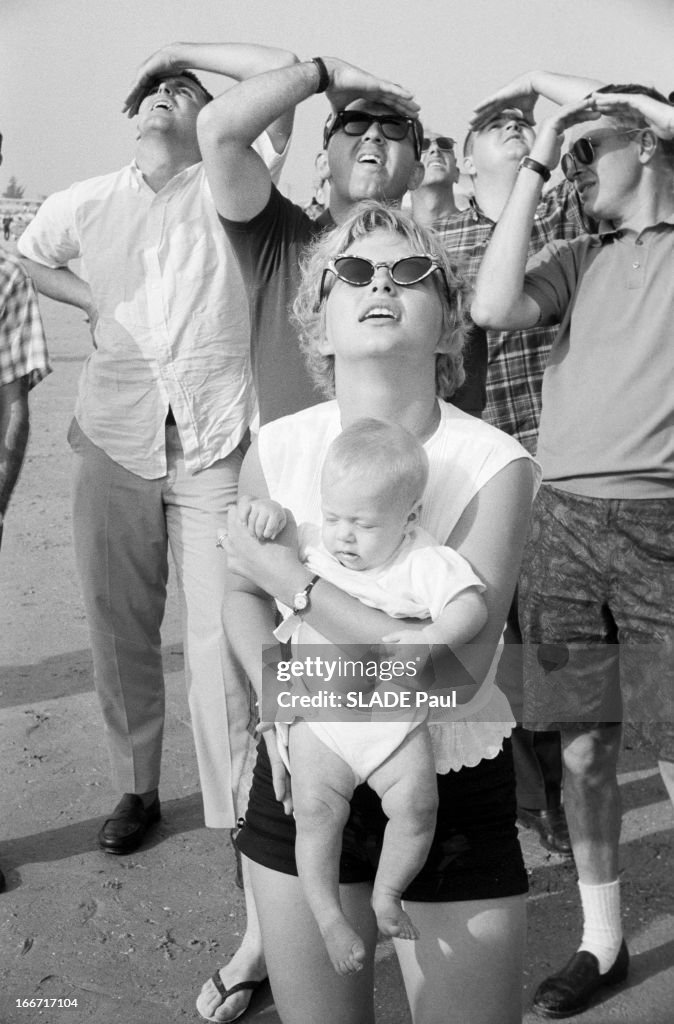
[(132, 938)]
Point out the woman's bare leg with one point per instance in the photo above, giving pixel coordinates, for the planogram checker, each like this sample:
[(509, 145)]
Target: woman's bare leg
[(466, 967), (305, 985), (247, 964)]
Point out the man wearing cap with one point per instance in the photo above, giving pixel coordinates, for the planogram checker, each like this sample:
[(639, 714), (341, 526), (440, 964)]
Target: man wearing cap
[(165, 400)]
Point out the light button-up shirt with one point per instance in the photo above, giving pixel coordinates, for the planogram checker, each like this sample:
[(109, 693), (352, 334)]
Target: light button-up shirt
[(173, 323)]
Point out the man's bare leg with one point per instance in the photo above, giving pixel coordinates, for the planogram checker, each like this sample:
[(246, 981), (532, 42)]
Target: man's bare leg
[(592, 801)]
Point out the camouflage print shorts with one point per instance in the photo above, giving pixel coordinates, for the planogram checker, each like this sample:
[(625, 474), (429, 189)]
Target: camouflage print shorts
[(596, 607)]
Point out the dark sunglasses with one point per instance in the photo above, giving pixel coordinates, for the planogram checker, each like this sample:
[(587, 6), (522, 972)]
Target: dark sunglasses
[(583, 153), (359, 271), (443, 142), (394, 127)]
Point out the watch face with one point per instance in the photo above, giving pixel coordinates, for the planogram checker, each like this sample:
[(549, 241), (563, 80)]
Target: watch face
[(301, 601)]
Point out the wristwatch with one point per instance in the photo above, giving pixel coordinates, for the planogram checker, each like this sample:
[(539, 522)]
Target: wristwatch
[(534, 165), (302, 600)]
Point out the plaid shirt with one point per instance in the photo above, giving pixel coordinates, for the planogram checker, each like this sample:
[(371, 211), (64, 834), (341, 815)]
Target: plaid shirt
[(516, 358), (23, 348)]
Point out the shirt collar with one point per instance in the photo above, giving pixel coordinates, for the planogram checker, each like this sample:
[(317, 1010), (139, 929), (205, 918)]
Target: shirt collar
[(607, 231), (138, 182), (474, 206)]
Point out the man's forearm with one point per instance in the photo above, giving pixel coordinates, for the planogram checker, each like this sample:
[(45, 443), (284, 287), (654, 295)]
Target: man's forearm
[(13, 436), (236, 60), (60, 284), (227, 127), (563, 89), (498, 302), (241, 114)]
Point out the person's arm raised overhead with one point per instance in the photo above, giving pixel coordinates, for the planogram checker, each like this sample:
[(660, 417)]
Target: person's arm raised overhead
[(227, 127), (523, 92), (660, 116), (235, 60), (499, 301)]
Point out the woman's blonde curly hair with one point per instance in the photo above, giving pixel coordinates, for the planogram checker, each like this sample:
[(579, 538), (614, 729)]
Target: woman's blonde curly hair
[(308, 312)]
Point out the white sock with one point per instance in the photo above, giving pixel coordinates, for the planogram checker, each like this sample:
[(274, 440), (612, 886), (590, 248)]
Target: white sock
[(602, 931)]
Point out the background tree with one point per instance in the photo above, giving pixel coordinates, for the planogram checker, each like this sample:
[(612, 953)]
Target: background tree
[(14, 190)]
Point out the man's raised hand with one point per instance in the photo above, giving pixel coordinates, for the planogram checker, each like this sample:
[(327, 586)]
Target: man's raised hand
[(349, 83), (166, 61)]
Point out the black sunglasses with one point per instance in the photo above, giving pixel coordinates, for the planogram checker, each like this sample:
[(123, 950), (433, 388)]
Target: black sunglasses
[(583, 153), (359, 271), (394, 127), (443, 142)]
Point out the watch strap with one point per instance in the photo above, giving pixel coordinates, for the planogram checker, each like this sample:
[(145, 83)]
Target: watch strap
[(538, 168), (307, 590), (323, 74), (285, 630)]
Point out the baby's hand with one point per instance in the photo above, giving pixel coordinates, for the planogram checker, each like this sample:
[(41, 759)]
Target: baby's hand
[(264, 518), (408, 646)]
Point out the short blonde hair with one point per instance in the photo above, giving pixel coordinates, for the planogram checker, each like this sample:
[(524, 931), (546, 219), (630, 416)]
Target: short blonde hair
[(309, 314), (384, 453)]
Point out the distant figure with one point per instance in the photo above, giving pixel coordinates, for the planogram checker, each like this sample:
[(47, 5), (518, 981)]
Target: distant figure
[(6, 227), (433, 201)]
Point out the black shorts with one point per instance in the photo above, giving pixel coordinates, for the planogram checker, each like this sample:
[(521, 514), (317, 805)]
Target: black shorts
[(475, 853)]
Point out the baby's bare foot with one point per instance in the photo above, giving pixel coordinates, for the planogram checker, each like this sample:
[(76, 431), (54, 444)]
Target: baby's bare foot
[(345, 947), (392, 920)]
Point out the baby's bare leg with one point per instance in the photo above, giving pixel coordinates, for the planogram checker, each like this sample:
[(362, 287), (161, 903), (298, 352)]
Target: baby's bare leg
[(407, 786), (322, 785)]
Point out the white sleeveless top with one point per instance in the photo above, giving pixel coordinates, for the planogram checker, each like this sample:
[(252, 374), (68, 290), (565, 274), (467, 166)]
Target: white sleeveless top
[(464, 454)]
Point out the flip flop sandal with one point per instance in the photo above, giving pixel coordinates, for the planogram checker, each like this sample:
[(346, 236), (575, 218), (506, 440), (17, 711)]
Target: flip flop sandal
[(241, 986)]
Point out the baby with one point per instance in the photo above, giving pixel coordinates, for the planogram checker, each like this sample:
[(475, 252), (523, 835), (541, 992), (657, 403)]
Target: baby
[(371, 546)]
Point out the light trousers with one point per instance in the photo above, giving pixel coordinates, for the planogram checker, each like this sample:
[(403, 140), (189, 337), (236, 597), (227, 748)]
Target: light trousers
[(123, 528)]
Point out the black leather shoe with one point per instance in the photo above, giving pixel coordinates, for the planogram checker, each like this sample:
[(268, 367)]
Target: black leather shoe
[(571, 991), (551, 827), (125, 829)]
